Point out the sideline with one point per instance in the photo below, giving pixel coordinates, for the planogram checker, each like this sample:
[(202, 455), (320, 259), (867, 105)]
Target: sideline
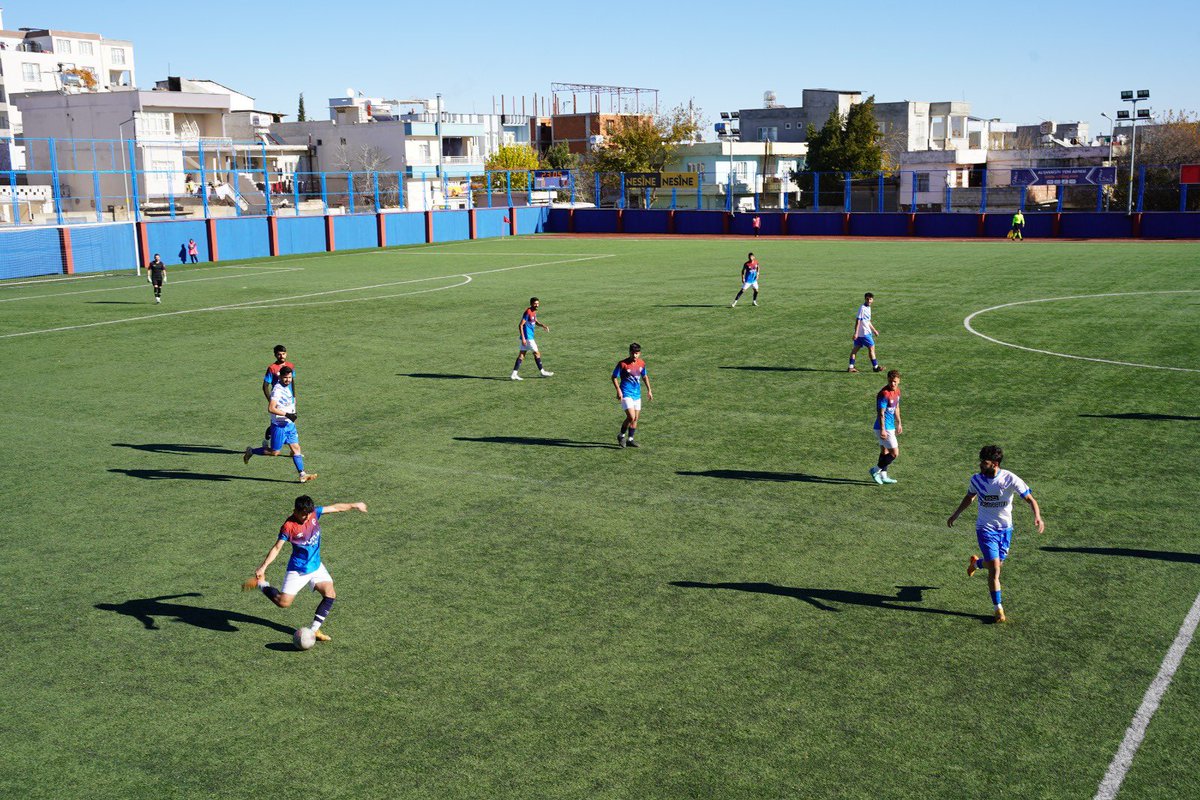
[(1136, 731), (967, 325), (138, 284)]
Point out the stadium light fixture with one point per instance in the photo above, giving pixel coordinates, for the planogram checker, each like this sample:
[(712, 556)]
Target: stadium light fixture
[(1122, 115), (1143, 113), (1139, 114)]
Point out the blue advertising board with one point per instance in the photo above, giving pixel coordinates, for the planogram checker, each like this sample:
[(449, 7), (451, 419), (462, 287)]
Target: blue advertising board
[(1063, 176)]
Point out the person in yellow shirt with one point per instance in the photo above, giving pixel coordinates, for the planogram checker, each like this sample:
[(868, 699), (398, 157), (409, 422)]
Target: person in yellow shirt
[(1018, 222)]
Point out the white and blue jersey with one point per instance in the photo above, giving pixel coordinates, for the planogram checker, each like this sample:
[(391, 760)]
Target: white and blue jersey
[(284, 398), (305, 538), (630, 372), (996, 499), (750, 272), (862, 327)]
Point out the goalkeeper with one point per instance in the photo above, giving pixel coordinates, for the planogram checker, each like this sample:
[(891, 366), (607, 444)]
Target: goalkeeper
[(282, 409)]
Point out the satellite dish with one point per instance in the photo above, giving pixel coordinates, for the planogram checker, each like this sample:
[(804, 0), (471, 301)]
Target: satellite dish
[(349, 92)]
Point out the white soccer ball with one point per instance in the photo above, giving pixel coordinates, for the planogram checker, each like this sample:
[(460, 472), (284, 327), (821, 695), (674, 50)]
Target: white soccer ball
[(304, 638)]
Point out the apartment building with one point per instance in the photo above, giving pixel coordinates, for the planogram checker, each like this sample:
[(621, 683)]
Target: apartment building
[(44, 59)]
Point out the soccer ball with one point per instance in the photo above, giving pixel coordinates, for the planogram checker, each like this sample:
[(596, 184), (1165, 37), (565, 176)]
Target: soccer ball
[(304, 638)]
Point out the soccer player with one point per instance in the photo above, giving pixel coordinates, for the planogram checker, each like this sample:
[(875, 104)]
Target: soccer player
[(995, 488), (749, 279), (272, 377), (887, 427), (1018, 224), (282, 409), (864, 334), (526, 328), (628, 377), (156, 274), (303, 531)]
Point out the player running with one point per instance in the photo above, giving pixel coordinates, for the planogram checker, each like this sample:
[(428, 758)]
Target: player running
[(282, 409), (865, 333), (995, 488), (887, 427), (628, 377), (749, 279), (272, 377), (303, 531), (526, 329), (156, 274)]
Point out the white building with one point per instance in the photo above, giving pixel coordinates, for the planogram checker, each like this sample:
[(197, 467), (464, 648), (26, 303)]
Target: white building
[(42, 59)]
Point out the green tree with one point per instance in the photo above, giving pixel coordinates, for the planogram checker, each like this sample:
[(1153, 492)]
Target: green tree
[(517, 158), (849, 143), (559, 156), (300, 115), (1173, 139), (643, 143)]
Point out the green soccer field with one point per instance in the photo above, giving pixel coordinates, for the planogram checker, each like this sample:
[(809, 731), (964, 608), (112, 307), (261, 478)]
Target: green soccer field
[(734, 610)]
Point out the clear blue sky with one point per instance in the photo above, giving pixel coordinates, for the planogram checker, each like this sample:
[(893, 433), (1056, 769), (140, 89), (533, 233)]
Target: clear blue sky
[(1023, 62)]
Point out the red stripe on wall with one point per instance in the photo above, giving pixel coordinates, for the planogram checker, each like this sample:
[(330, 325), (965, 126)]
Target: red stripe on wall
[(330, 245), (272, 236), (471, 223), (381, 229), (428, 227), (210, 230), (68, 257)]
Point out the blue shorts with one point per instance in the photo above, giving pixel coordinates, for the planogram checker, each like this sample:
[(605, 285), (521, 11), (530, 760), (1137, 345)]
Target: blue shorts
[(994, 544), (864, 341), (283, 434)]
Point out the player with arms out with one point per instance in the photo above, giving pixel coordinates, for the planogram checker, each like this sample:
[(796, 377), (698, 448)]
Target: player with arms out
[(628, 377), (865, 333), (887, 427), (749, 279), (526, 329), (995, 488), (282, 409), (272, 377), (302, 530)]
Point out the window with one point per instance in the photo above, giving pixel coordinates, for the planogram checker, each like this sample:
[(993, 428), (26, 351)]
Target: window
[(610, 127), (787, 126), (3, 97), (154, 125), (32, 73), (62, 45), (117, 55), (85, 49), (3, 121), (922, 181), (343, 140), (768, 134)]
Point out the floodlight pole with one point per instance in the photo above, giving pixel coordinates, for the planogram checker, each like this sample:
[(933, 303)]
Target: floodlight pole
[(1142, 94)]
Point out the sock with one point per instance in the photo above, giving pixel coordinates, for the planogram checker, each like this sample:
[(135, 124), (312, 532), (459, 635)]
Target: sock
[(624, 427), (322, 612), (996, 598), (852, 361), (539, 362), (874, 363), (885, 460), (632, 431), (270, 591), (259, 451), (517, 365), (298, 460)]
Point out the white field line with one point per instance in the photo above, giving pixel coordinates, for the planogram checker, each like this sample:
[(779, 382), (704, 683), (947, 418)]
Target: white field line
[(279, 302), (967, 325), (265, 271), (1136, 731), (38, 281)]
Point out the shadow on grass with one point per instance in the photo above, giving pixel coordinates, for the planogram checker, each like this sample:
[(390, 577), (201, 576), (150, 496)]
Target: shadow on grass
[(187, 475), (749, 368), (119, 302), (691, 305), (144, 610), (181, 449), (449, 376), (778, 477), (543, 442), (1129, 552), (819, 598), (1144, 416)]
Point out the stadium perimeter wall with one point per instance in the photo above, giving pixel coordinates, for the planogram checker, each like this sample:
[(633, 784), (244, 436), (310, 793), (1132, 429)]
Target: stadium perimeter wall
[(71, 249), (1073, 225)]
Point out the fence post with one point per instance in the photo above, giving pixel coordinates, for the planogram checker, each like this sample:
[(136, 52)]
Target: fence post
[(1024, 189), (673, 191), (596, 175), (621, 198), (846, 193), (912, 202), (571, 182), (879, 202), (133, 181), (12, 193), (1061, 192), (296, 192), (350, 191), (508, 187), (266, 179), (983, 194), (54, 180), (1183, 197), (1141, 187), (699, 188), (1099, 197), (375, 184), (96, 190), (816, 191), (324, 194), (171, 194), (203, 181)]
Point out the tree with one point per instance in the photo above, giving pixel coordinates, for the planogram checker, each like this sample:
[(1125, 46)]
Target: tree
[(516, 158), (1172, 140), (559, 156), (644, 144), (362, 162), (850, 143), (300, 115)]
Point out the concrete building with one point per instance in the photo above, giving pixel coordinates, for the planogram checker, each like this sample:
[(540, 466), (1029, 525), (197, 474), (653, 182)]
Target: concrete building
[(42, 59), (762, 168), (586, 130), (185, 136)]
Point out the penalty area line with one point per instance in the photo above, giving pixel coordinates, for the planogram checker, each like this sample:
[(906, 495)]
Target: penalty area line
[(1136, 731)]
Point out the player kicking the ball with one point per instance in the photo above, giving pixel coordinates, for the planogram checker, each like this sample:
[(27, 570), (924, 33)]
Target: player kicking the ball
[(304, 569), (628, 377), (749, 278), (282, 409), (995, 488), (887, 427), (526, 328)]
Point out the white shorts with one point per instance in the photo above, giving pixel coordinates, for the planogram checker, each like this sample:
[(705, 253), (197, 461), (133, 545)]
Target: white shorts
[(294, 582), (887, 439), (750, 285), (634, 403), (530, 346)]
